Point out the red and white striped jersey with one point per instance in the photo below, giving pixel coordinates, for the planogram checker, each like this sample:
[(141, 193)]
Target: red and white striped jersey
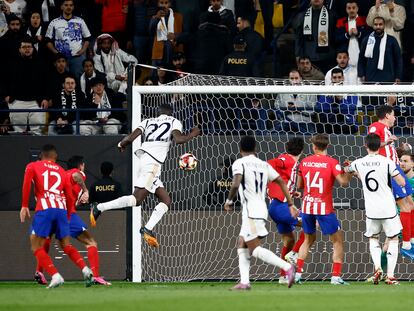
[(286, 166), (318, 173), (51, 186), (384, 133)]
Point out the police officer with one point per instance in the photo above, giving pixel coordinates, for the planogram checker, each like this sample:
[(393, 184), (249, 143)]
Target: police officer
[(238, 63), (105, 189)]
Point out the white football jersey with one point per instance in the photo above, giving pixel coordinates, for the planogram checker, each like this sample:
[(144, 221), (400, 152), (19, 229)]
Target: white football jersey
[(375, 172), (256, 174), (156, 135)]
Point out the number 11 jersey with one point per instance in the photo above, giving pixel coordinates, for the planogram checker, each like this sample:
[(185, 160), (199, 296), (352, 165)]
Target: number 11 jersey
[(318, 173), (157, 135)]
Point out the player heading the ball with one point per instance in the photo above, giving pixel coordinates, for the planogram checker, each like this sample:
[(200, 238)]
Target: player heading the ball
[(158, 134), (250, 177)]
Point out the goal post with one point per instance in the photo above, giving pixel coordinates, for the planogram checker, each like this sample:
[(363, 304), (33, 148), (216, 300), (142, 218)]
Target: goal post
[(197, 237)]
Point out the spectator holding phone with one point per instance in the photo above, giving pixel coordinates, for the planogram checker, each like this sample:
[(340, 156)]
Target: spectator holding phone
[(166, 27)]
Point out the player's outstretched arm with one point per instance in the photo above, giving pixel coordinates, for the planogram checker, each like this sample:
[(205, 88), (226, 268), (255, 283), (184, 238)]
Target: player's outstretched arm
[(228, 205), (127, 140), (180, 138)]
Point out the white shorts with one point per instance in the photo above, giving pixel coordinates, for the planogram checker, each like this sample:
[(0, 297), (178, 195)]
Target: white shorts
[(390, 226), (252, 229), (148, 173)]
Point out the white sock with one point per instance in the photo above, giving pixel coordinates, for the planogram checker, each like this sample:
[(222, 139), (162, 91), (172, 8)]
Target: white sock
[(375, 250), (392, 256), (156, 215), (406, 245), (270, 258), (412, 240), (125, 201), (244, 265)]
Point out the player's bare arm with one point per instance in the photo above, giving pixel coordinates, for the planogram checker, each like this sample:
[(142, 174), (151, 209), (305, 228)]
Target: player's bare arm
[(228, 205), (180, 138), (400, 180), (389, 141), (293, 210), (127, 140), (77, 177), (24, 213), (343, 179)]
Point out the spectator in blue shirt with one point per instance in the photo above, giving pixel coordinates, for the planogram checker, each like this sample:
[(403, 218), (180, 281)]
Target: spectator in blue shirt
[(337, 113)]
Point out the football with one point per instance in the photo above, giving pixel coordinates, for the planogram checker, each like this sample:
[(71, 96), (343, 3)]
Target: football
[(188, 162)]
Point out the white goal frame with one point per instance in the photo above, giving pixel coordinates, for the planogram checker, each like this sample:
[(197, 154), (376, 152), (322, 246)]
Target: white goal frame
[(137, 91)]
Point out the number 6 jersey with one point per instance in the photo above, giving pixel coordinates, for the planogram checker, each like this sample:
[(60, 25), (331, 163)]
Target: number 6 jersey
[(375, 172), (157, 135)]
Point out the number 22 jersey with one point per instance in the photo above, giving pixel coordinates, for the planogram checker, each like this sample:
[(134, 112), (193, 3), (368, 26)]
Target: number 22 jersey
[(157, 135)]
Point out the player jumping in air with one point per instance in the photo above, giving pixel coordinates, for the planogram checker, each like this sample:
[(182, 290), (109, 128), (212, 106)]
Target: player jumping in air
[(157, 136), (286, 165), (54, 203), (375, 172), (250, 177), (317, 175), (78, 229), (386, 120)]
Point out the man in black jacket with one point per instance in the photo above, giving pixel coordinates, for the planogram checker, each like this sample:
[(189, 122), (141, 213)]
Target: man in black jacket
[(105, 189), (25, 89), (238, 63)]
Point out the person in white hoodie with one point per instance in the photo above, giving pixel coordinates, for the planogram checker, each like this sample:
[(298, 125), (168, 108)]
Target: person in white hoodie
[(110, 59)]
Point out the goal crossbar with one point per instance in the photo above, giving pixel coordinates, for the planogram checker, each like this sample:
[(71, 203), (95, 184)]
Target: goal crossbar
[(280, 89)]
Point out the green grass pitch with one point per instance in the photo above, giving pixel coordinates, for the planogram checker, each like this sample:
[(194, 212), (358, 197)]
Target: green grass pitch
[(310, 296)]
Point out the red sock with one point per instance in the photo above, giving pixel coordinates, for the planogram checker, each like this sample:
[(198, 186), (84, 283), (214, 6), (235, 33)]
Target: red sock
[(299, 265), (406, 224), (74, 255), (336, 268), (46, 247), (45, 261), (282, 255), (299, 242), (93, 258), (412, 224)]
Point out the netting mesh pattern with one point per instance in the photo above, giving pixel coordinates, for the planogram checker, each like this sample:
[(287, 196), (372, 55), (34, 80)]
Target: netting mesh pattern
[(198, 239)]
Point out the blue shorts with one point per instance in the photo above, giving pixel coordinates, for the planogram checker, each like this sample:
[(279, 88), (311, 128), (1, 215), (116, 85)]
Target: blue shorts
[(50, 221), (280, 214), (329, 224), (399, 191), (76, 225)]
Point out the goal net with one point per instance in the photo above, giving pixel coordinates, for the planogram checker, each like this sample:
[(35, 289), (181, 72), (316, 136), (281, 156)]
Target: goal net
[(197, 237)]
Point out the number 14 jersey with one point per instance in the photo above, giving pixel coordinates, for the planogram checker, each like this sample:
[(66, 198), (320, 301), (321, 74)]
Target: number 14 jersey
[(318, 173), (157, 135)]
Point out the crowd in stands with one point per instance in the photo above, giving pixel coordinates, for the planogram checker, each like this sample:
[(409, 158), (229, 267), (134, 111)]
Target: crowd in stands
[(63, 55)]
